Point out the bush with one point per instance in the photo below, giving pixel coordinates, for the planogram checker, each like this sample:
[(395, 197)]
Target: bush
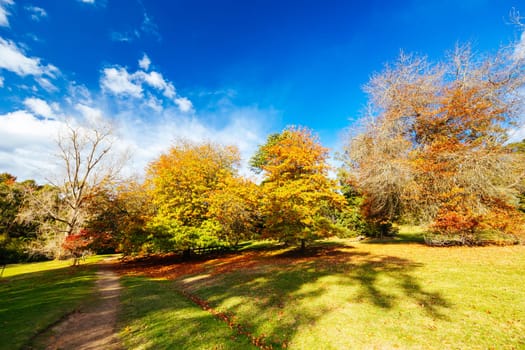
[(380, 229)]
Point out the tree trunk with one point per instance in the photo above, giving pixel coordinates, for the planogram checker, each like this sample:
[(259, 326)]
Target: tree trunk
[(303, 246), (186, 254)]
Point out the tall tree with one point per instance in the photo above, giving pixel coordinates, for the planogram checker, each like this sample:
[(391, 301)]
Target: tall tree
[(298, 195), (86, 166), (433, 146), (181, 182)]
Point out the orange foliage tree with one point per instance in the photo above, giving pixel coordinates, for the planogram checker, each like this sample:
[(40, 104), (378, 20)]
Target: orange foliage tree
[(433, 148), (299, 199)]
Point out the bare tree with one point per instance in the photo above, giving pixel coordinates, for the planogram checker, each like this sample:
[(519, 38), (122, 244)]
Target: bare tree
[(86, 167)]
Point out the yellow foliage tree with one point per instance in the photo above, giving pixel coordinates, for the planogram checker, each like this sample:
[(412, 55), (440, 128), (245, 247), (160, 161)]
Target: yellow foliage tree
[(235, 206), (299, 199), (181, 182)]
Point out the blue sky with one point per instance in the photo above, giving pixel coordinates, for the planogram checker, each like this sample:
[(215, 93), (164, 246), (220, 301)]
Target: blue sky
[(227, 71)]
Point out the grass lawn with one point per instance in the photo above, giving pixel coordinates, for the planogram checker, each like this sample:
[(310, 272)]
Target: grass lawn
[(34, 296), (153, 316), (344, 295)]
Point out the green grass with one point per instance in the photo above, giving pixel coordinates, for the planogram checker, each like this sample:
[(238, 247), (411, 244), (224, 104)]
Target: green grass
[(36, 295), (349, 296), (154, 316)]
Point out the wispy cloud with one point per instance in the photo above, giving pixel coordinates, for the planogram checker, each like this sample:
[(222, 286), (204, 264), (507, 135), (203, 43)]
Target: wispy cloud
[(147, 28), (13, 59), (87, 1), (36, 13), (4, 13), (125, 36), (519, 49)]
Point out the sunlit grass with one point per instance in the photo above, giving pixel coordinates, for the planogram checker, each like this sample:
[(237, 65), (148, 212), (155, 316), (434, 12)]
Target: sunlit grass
[(351, 295), (35, 295)]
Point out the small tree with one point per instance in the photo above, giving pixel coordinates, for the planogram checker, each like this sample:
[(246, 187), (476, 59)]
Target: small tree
[(120, 219)]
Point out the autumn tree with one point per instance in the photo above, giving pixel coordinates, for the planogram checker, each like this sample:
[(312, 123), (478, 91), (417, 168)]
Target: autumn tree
[(181, 182), (519, 149), (433, 144), (120, 219), (235, 205), (86, 166), (298, 195)]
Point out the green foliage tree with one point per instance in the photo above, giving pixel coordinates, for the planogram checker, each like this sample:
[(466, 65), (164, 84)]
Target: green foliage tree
[(14, 233), (260, 158), (298, 197)]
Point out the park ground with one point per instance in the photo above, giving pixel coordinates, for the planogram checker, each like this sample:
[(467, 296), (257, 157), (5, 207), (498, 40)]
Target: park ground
[(340, 294)]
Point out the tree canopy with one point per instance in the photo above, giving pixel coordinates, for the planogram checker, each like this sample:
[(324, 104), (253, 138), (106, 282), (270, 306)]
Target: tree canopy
[(181, 183), (433, 148), (298, 196)]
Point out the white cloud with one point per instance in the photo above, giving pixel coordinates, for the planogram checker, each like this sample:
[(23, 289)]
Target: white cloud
[(88, 1), (46, 84), (154, 103), (184, 104), (13, 59), (78, 93), (147, 140), (39, 107), (1, 82), (37, 13), (4, 4), (156, 80), (27, 144), (120, 82), (93, 116), (144, 62), (519, 49)]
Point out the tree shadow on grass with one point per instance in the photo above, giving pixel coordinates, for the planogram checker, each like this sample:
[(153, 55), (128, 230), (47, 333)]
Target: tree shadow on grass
[(31, 302), (154, 316), (285, 293)]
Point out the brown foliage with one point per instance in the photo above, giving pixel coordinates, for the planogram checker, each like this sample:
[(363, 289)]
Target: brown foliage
[(434, 145)]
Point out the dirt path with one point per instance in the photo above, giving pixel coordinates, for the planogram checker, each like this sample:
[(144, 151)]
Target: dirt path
[(94, 326)]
